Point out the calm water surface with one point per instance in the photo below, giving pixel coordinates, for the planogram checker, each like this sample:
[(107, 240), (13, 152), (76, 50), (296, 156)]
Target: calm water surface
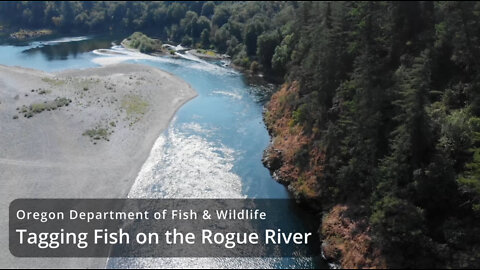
[(212, 148)]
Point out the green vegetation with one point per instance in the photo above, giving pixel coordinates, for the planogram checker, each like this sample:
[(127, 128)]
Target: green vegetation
[(226, 27), (209, 54), (85, 84), (134, 105), (24, 34), (389, 97), (206, 52), (380, 108), (98, 133), (54, 82), (143, 43), (36, 108), (44, 91)]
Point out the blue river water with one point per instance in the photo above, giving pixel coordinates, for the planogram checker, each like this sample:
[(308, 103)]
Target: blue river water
[(212, 148)]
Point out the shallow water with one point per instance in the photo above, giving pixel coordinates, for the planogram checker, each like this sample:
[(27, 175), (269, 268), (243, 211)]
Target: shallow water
[(212, 148)]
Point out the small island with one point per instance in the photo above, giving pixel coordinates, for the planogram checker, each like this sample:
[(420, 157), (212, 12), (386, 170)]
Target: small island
[(143, 43), (138, 41)]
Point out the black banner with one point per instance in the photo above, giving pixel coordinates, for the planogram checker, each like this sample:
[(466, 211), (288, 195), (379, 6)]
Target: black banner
[(159, 228)]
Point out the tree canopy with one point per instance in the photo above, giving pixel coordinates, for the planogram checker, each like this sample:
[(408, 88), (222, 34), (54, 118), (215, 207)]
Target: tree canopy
[(386, 96)]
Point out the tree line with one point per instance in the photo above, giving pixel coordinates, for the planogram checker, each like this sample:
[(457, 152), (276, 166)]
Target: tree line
[(388, 94), (247, 31)]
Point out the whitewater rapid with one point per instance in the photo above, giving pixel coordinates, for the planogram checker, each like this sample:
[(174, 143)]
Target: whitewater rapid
[(117, 54), (183, 163)]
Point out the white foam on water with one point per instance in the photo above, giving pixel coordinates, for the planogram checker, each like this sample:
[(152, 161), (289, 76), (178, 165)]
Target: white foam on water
[(57, 41), (118, 54), (194, 263), (184, 165), (189, 56), (197, 128), (233, 95)]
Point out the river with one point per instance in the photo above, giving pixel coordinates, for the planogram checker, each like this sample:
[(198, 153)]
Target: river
[(211, 149)]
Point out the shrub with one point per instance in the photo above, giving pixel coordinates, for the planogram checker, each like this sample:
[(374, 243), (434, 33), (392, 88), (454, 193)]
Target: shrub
[(143, 43), (37, 108), (97, 133)]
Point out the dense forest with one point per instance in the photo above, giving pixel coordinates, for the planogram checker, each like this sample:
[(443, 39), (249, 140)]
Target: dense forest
[(377, 123), (380, 113), (247, 31)]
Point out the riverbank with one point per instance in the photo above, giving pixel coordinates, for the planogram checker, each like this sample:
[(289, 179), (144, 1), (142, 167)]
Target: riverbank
[(207, 54), (90, 146), (350, 238), (25, 34), (346, 235)]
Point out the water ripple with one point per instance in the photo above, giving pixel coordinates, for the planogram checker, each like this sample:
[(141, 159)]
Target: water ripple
[(184, 164)]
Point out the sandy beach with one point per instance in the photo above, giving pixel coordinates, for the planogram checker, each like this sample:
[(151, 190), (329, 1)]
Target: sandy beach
[(78, 134)]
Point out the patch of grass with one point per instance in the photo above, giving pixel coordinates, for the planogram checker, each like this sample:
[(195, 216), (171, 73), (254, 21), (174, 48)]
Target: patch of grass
[(39, 107), (97, 133), (134, 105), (44, 92), (52, 81), (207, 52), (85, 84), (36, 108)]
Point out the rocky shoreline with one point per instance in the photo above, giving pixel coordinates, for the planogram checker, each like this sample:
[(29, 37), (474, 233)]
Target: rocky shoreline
[(346, 233), (346, 239)]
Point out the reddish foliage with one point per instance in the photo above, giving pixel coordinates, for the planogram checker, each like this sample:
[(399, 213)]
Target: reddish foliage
[(347, 241), (289, 139)]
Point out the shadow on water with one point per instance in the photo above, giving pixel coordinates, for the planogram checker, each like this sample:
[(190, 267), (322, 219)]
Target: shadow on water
[(62, 51), (62, 48)]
